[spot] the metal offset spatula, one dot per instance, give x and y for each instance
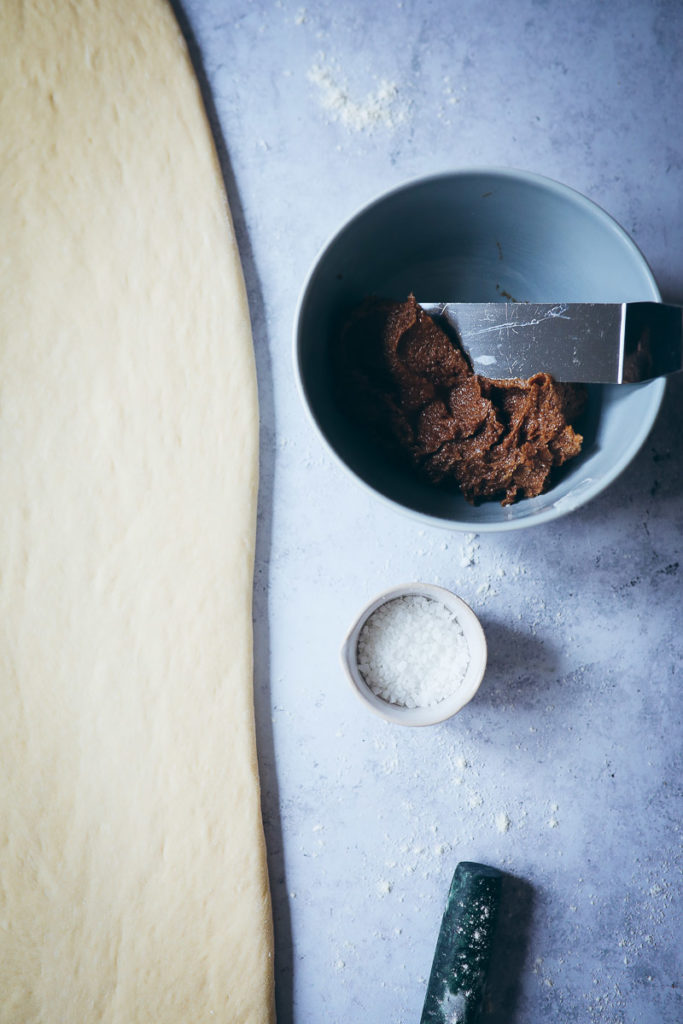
(585, 342)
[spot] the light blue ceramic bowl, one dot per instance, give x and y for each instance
(478, 236)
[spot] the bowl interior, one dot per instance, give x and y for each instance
(432, 714)
(478, 236)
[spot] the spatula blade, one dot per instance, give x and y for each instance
(623, 342)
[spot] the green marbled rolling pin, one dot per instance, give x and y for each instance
(463, 950)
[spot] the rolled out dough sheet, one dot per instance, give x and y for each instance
(133, 884)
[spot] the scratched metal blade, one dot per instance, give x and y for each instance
(580, 342)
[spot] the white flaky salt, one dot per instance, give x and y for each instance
(412, 651)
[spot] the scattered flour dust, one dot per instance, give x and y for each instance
(379, 109)
(502, 822)
(453, 1007)
(468, 555)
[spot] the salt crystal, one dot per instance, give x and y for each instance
(413, 652)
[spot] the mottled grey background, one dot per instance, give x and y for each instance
(565, 770)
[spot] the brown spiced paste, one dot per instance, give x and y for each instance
(410, 384)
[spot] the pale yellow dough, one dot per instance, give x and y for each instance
(133, 884)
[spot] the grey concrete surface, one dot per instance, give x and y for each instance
(565, 769)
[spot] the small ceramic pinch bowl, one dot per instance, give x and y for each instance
(461, 694)
(477, 236)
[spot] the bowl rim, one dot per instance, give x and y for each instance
(563, 505)
(433, 714)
